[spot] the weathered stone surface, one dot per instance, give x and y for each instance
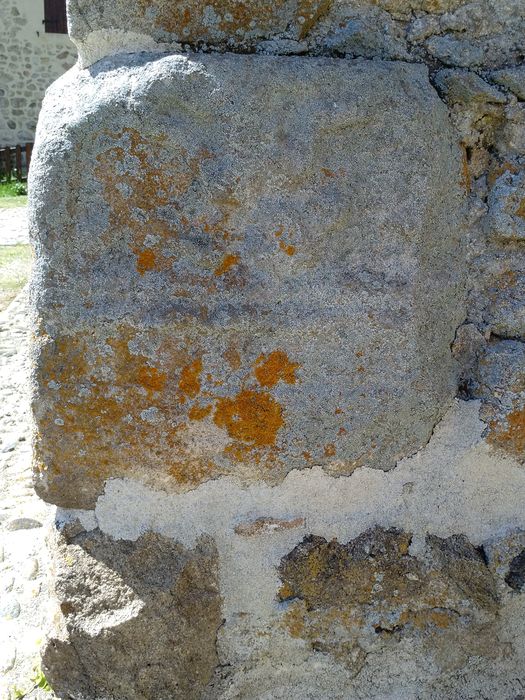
(506, 557)
(513, 79)
(248, 271)
(139, 620)
(365, 31)
(500, 382)
(338, 595)
(506, 201)
(498, 293)
(456, 484)
(229, 23)
(466, 87)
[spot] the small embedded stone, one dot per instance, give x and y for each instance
(22, 524)
(466, 87)
(9, 608)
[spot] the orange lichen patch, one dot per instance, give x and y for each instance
(307, 455)
(141, 176)
(466, 179)
(190, 379)
(253, 417)
(288, 249)
(232, 357)
(146, 261)
(328, 173)
(226, 264)
(149, 260)
(342, 431)
(267, 525)
(242, 454)
(275, 367)
(151, 379)
(512, 437)
(330, 450)
(199, 412)
(360, 368)
(191, 21)
(112, 409)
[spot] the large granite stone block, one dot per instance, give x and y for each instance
(246, 265)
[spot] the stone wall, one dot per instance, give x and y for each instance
(278, 367)
(30, 60)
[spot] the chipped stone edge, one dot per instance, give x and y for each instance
(105, 43)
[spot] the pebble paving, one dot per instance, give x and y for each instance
(13, 226)
(24, 518)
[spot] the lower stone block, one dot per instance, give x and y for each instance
(138, 619)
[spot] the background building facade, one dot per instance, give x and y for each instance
(34, 51)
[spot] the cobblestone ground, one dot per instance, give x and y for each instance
(24, 518)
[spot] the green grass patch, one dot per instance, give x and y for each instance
(15, 265)
(13, 194)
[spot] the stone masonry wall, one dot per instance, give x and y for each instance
(279, 360)
(30, 60)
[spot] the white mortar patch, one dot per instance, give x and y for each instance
(457, 484)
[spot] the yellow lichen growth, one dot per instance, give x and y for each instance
(253, 417)
(193, 471)
(294, 621)
(275, 367)
(497, 170)
(288, 249)
(329, 450)
(337, 594)
(232, 357)
(157, 177)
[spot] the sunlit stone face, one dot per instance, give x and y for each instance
(252, 265)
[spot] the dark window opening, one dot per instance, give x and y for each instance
(55, 18)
